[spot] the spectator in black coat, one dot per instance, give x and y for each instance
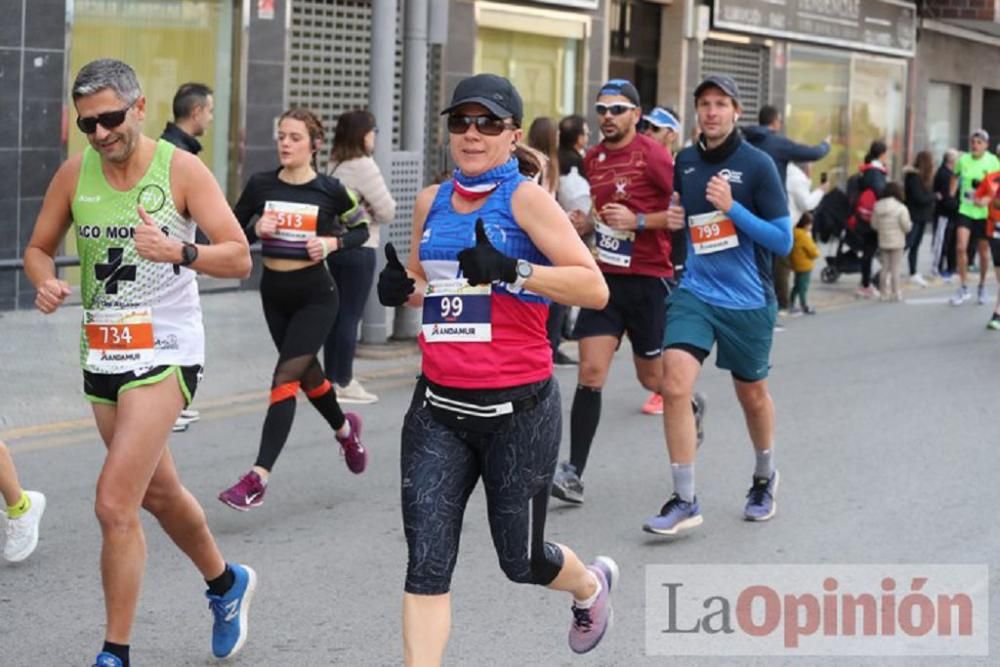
(918, 184)
(946, 208)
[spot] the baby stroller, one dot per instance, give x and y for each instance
(846, 246)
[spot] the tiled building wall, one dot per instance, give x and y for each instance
(32, 57)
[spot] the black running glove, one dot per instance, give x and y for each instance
(394, 285)
(483, 264)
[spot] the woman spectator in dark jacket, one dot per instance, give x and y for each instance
(944, 222)
(873, 177)
(918, 184)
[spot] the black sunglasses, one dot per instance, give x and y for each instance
(489, 126)
(109, 120)
(616, 109)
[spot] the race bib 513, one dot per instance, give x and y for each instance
(296, 222)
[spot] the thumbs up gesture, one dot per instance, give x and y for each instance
(675, 214)
(394, 285)
(152, 244)
(483, 264)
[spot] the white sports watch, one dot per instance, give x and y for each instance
(524, 271)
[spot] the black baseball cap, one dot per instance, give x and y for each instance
(496, 93)
(723, 83)
(621, 87)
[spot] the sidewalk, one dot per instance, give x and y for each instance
(40, 356)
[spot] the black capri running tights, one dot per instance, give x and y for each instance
(440, 468)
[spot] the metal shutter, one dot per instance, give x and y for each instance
(328, 73)
(748, 65)
(329, 59)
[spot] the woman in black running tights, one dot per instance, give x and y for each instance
(490, 250)
(302, 217)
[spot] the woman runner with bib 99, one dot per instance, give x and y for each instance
(490, 250)
(304, 216)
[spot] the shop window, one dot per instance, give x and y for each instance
(817, 98)
(167, 43)
(621, 27)
(947, 117)
(878, 109)
(852, 98)
(545, 69)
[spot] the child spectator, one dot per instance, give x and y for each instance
(891, 221)
(802, 258)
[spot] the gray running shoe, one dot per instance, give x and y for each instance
(566, 484)
(698, 404)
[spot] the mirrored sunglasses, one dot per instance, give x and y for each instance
(616, 109)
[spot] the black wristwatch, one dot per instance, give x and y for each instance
(189, 253)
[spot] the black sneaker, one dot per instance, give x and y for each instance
(563, 360)
(698, 404)
(566, 484)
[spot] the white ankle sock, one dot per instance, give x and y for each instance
(589, 602)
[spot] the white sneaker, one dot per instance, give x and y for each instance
(918, 279)
(190, 415)
(981, 295)
(22, 532)
(354, 393)
(961, 296)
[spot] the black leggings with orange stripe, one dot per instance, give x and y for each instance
(300, 307)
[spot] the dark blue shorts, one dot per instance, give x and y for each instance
(744, 336)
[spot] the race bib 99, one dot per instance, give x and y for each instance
(457, 312)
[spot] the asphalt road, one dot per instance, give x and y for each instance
(886, 441)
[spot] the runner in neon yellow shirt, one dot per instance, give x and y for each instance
(970, 170)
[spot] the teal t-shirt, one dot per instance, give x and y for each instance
(970, 171)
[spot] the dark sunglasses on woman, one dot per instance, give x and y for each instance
(616, 109)
(490, 126)
(109, 120)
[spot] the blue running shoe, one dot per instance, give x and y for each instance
(107, 660)
(760, 498)
(229, 632)
(676, 515)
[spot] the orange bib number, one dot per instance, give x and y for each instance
(296, 222)
(118, 338)
(712, 232)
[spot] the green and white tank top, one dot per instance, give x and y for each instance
(137, 313)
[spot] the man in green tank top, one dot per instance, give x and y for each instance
(132, 202)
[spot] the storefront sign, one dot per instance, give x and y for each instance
(882, 26)
(577, 4)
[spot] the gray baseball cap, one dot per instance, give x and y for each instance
(723, 83)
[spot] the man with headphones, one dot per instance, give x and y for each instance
(728, 196)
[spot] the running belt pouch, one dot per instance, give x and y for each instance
(479, 425)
